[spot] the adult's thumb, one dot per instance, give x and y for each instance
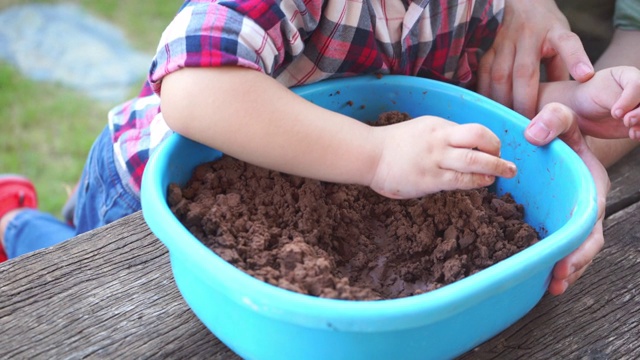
(553, 120)
(572, 52)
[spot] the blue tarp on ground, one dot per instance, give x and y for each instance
(63, 43)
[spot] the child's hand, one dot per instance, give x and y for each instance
(429, 154)
(607, 105)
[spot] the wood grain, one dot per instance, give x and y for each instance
(598, 318)
(108, 293)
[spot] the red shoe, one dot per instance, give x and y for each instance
(15, 192)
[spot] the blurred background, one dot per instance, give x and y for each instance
(48, 124)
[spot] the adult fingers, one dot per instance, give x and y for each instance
(526, 76)
(484, 72)
(555, 69)
(568, 270)
(554, 119)
(568, 131)
(569, 46)
(501, 72)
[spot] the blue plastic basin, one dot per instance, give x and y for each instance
(261, 321)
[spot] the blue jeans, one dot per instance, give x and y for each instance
(102, 199)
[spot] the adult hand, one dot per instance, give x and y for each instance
(556, 120)
(532, 32)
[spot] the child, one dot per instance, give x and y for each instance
(221, 77)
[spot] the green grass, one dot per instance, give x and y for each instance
(46, 134)
(47, 130)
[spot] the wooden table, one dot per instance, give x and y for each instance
(110, 293)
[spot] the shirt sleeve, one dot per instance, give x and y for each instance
(465, 32)
(627, 15)
(256, 34)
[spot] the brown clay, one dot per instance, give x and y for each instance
(345, 241)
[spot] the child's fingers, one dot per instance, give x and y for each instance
(454, 180)
(634, 133)
(626, 104)
(476, 150)
(632, 118)
(629, 80)
(475, 136)
(632, 121)
(478, 162)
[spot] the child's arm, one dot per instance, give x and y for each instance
(609, 151)
(606, 105)
(250, 116)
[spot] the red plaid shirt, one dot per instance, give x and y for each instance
(305, 41)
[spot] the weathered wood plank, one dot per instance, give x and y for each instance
(598, 318)
(625, 188)
(61, 302)
(109, 293)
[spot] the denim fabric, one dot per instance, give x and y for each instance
(102, 199)
(31, 230)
